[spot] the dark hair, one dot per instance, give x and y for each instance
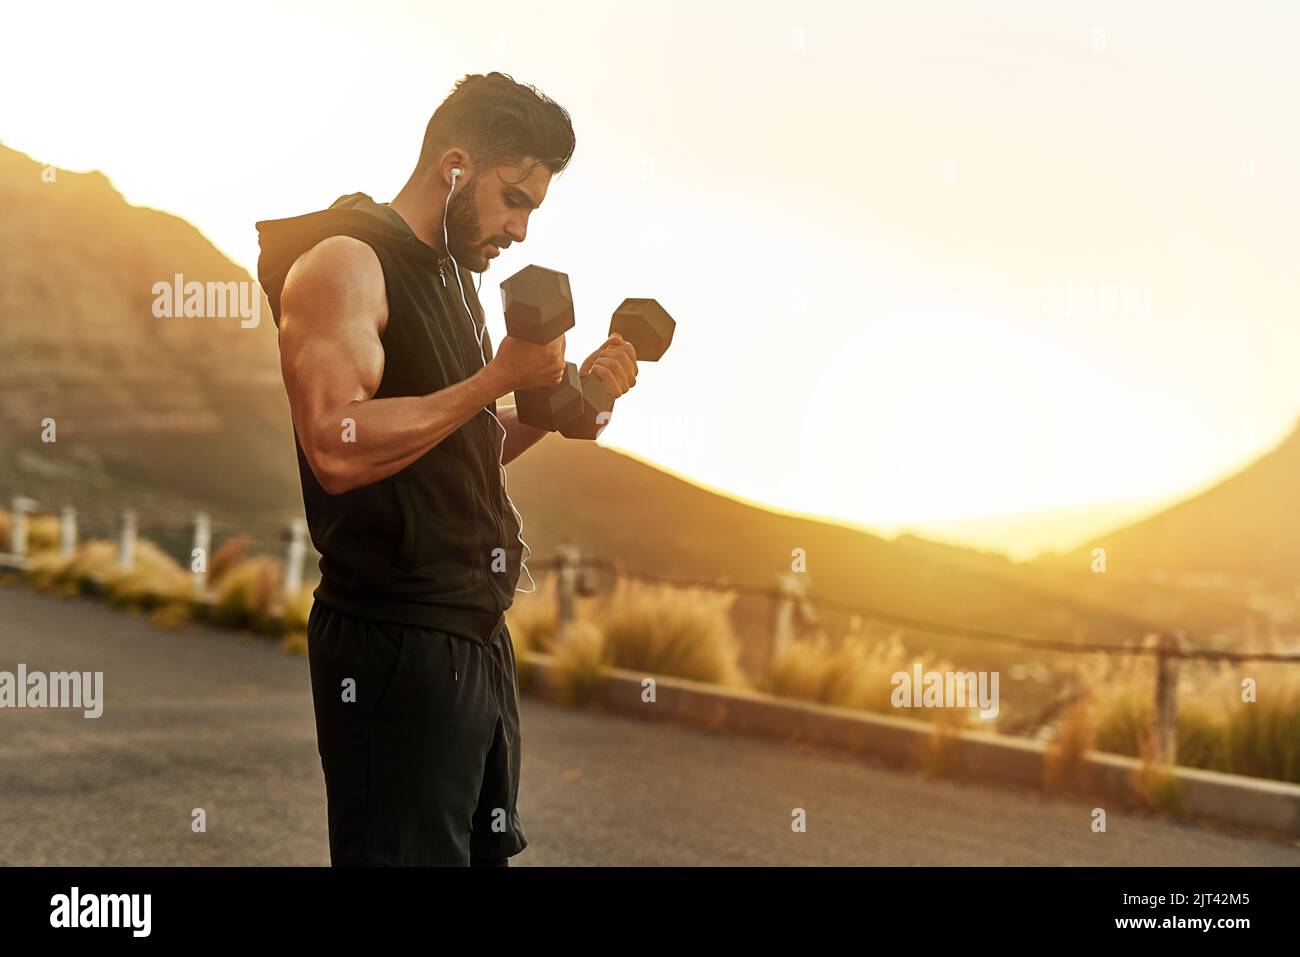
(500, 121)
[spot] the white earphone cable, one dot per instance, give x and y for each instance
(527, 551)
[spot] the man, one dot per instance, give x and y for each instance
(393, 388)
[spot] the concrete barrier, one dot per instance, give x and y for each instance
(1255, 803)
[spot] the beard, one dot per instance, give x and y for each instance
(464, 241)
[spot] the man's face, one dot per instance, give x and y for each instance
(491, 210)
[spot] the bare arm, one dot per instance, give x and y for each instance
(333, 311)
(519, 437)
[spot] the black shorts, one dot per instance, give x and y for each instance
(418, 733)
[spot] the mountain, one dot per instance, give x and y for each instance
(1025, 535)
(172, 412)
(167, 415)
(1222, 564)
(1247, 525)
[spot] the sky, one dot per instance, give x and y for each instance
(997, 272)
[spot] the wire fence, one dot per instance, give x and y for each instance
(777, 594)
(190, 540)
(1167, 649)
(180, 536)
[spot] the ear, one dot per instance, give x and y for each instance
(454, 167)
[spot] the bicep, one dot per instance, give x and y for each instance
(333, 309)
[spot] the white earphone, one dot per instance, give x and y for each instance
(523, 558)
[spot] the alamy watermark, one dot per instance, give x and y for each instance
(57, 689)
(75, 909)
(946, 689)
(211, 300)
(1089, 300)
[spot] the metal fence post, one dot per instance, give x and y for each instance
(294, 556)
(566, 581)
(68, 531)
(126, 543)
(1164, 719)
(786, 599)
(202, 546)
(790, 592)
(18, 525)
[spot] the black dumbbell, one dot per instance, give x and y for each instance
(648, 327)
(538, 307)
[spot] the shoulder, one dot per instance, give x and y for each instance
(337, 263)
(340, 274)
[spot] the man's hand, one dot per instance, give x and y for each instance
(519, 364)
(614, 364)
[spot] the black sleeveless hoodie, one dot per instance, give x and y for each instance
(436, 544)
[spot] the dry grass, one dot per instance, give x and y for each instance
(155, 582)
(580, 664)
(248, 596)
(942, 754)
(525, 669)
(531, 619)
(856, 672)
(1217, 730)
(42, 532)
(1156, 784)
(172, 615)
(51, 572)
(297, 609)
(1075, 736)
(293, 621)
(229, 554)
(247, 591)
(685, 633)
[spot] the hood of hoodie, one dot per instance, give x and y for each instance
(282, 241)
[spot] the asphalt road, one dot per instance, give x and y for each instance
(200, 718)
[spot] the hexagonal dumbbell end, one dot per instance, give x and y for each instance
(538, 305)
(547, 408)
(597, 406)
(645, 324)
